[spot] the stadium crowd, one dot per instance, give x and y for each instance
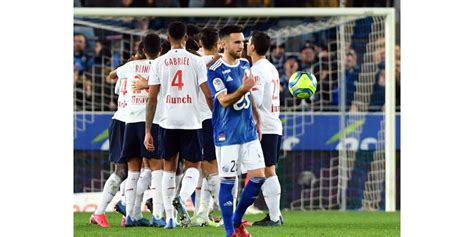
(94, 57)
(312, 57)
(230, 3)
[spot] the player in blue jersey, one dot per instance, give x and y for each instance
(237, 129)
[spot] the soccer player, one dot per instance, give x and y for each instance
(266, 95)
(237, 129)
(209, 38)
(116, 135)
(155, 203)
(176, 78)
(133, 149)
(120, 205)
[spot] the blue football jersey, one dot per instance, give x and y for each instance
(234, 124)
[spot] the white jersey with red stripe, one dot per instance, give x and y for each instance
(121, 114)
(135, 99)
(206, 113)
(179, 73)
(266, 94)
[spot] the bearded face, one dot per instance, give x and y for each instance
(234, 45)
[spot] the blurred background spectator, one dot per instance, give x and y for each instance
(307, 56)
(352, 76)
(377, 99)
(83, 63)
(277, 57)
(82, 60)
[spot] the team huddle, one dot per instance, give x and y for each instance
(214, 112)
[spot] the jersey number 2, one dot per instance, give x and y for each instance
(178, 80)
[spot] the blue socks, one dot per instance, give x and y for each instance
(249, 194)
(226, 203)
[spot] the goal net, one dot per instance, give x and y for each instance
(339, 147)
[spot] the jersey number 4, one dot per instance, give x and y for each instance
(178, 80)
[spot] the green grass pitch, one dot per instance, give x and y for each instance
(296, 223)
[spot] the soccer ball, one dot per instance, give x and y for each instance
(302, 85)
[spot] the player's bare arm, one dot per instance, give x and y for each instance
(140, 84)
(207, 92)
(227, 100)
(112, 77)
(256, 117)
(150, 114)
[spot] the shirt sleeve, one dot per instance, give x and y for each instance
(122, 71)
(154, 77)
(259, 88)
(117, 86)
(201, 71)
(215, 82)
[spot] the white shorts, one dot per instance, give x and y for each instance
(233, 160)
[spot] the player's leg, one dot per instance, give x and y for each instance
(210, 188)
(210, 157)
(197, 192)
(211, 184)
(271, 189)
(227, 157)
(202, 174)
(190, 152)
(142, 185)
(169, 153)
(157, 193)
(179, 171)
(120, 205)
(132, 152)
(111, 187)
(252, 162)
(134, 164)
(156, 165)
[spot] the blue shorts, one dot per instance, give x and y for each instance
(271, 148)
(184, 142)
(116, 135)
(206, 140)
(133, 146)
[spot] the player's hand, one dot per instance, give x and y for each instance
(149, 142)
(249, 81)
(140, 83)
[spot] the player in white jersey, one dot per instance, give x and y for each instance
(176, 78)
(266, 94)
(133, 149)
(116, 134)
(120, 205)
(209, 38)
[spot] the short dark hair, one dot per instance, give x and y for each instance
(192, 30)
(274, 46)
(141, 49)
(261, 41)
(165, 47)
(227, 30)
(151, 44)
(177, 30)
(209, 38)
(192, 45)
(80, 34)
